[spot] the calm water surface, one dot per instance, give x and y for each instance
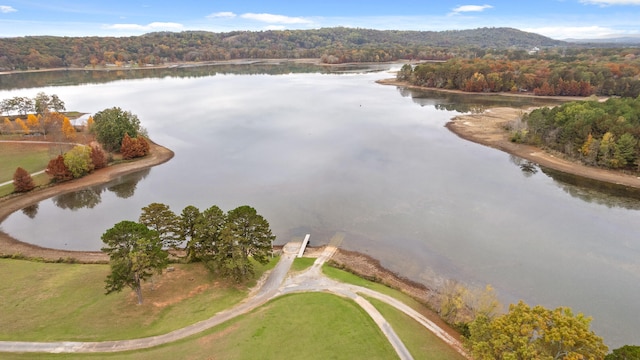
(336, 153)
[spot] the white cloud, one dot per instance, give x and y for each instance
(611, 2)
(5, 9)
(574, 32)
(275, 19)
(154, 26)
(275, 27)
(470, 8)
(222, 14)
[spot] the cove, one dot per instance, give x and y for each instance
(323, 153)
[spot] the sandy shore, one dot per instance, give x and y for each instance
(12, 247)
(488, 128)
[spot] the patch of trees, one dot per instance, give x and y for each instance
(604, 77)
(226, 243)
(597, 133)
(111, 126)
(332, 44)
(534, 333)
(627, 352)
(75, 163)
(41, 114)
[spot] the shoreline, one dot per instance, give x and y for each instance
(275, 61)
(488, 129)
(11, 247)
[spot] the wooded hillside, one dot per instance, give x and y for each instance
(587, 74)
(333, 45)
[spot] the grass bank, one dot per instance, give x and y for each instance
(53, 302)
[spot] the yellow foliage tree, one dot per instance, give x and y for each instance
(67, 129)
(7, 125)
(23, 126)
(89, 123)
(586, 147)
(33, 122)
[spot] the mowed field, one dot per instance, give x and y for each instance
(48, 302)
(31, 157)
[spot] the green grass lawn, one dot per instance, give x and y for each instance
(49, 302)
(303, 263)
(53, 302)
(298, 326)
(349, 278)
(421, 343)
(31, 157)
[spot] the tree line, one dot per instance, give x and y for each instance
(597, 133)
(116, 130)
(605, 77)
(226, 243)
(337, 44)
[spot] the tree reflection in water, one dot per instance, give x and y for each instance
(127, 187)
(89, 198)
(31, 211)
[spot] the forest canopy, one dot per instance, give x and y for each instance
(580, 77)
(331, 45)
(597, 133)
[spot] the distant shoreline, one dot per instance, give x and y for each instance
(487, 129)
(184, 64)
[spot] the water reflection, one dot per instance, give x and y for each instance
(127, 188)
(82, 77)
(468, 102)
(89, 198)
(594, 191)
(529, 168)
(31, 211)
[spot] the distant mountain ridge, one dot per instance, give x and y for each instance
(334, 45)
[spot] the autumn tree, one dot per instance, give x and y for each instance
(68, 130)
(23, 126)
(33, 122)
(57, 170)
(98, 158)
(90, 123)
(22, 181)
(7, 126)
(135, 254)
(159, 218)
(78, 160)
(534, 333)
(111, 125)
(133, 147)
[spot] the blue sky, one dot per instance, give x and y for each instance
(558, 19)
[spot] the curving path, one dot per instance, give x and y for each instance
(33, 142)
(275, 285)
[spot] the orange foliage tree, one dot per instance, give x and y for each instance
(58, 170)
(22, 181)
(98, 158)
(134, 147)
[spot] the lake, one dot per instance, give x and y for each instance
(325, 153)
